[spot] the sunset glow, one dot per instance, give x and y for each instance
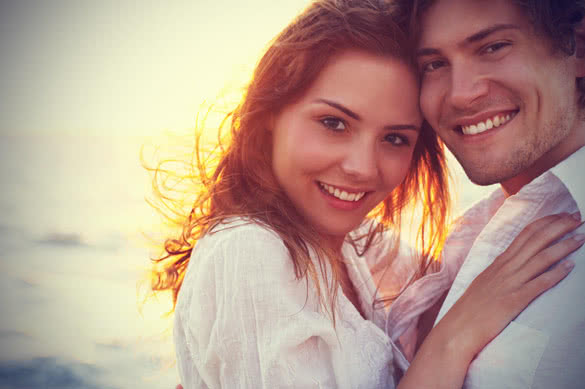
(125, 67)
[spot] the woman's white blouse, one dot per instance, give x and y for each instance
(242, 320)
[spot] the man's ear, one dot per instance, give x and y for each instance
(580, 47)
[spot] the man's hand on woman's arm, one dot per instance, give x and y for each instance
(497, 295)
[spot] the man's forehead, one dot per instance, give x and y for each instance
(458, 21)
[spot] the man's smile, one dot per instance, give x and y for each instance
(483, 125)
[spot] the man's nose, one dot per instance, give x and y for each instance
(467, 86)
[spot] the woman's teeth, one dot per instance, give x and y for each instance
(341, 194)
(480, 127)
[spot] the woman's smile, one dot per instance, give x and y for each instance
(342, 199)
(342, 194)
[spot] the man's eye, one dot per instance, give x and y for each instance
(432, 66)
(495, 47)
(333, 123)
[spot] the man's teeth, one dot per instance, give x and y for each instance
(496, 121)
(341, 194)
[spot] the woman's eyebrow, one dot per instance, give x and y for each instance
(340, 107)
(350, 113)
(402, 127)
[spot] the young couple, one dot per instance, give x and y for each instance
(289, 271)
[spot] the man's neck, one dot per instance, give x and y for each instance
(568, 146)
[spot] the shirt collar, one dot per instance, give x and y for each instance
(570, 172)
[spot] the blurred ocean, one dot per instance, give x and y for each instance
(72, 217)
(72, 249)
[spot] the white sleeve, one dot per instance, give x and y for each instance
(247, 322)
(392, 262)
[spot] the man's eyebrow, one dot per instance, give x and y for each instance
(427, 51)
(478, 36)
(340, 107)
(488, 31)
(350, 113)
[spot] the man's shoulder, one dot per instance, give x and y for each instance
(570, 173)
(479, 213)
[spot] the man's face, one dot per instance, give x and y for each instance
(500, 97)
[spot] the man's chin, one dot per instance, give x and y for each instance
(488, 170)
(484, 177)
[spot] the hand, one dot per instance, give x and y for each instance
(493, 299)
(512, 281)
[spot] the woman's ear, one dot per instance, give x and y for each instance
(269, 122)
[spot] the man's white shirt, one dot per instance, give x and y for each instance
(544, 347)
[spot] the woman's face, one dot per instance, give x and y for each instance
(342, 147)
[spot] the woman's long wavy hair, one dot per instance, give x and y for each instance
(237, 179)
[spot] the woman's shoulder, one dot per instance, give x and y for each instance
(242, 260)
(242, 245)
(240, 230)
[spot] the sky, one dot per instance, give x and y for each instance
(120, 67)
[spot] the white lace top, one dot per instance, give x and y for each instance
(242, 320)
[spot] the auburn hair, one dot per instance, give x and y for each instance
(237, 178)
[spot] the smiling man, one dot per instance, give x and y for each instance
(502, 95)
(502, 84)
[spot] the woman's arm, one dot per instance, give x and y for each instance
(493, 299)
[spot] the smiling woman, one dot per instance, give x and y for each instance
(246, 181)
(324, 153)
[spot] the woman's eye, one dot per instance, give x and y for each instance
(396, 140)
(333, 123)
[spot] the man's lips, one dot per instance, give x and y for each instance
(484, 122)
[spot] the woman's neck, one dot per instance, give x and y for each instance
(333, 243)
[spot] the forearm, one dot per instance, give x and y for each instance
(440, 363)
(494, 298)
